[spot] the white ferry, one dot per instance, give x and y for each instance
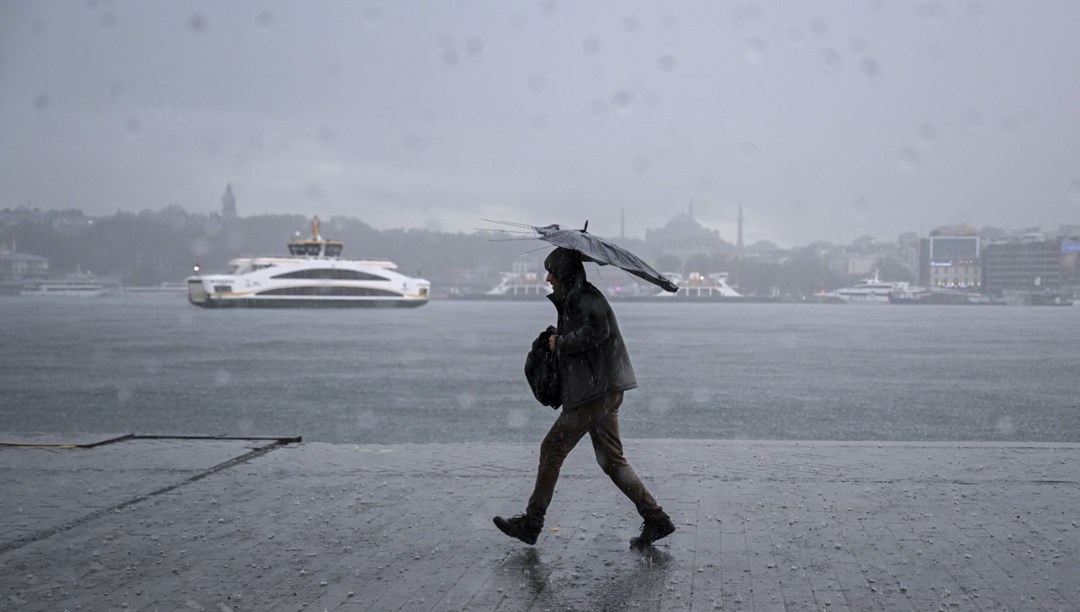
(871, 290)
(315, 276)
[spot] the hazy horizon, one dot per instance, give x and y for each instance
(824, 122)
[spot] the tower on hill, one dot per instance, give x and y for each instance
(228, 203)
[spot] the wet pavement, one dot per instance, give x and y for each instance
(131, 523)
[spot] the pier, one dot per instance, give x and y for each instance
(127, 522)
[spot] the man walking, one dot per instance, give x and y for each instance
(594, 369)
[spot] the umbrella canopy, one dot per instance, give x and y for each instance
(600, 251)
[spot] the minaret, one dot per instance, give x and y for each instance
(690, 211)
(622, 224)
(739, 243)
(228, 203)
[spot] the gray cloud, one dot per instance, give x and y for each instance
(824, 121)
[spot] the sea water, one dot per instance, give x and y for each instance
(451, 371)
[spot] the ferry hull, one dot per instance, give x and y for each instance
(218, 303)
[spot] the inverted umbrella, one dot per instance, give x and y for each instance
(597, 250)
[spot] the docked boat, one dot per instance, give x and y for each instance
(697, 286)
(871, 290)
(163, 288)
(694, 287)
(942, 296)
(76, 285)
(314, 276)
(520, 283)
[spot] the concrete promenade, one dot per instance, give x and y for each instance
(221, 525)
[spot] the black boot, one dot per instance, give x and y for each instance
(521, 527)
(653, 529)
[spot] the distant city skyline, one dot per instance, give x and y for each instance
(229, 209)
(822, 122)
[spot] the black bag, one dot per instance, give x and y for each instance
(542, 371)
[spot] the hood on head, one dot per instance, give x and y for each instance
(565, 265)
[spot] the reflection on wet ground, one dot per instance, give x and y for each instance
(634, 580)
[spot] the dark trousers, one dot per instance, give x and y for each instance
(600, 419)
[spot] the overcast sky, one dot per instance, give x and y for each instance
(824, 120)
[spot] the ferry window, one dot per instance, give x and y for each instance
(333, 250)
(331, 274)
(331, 291)
(304, 249)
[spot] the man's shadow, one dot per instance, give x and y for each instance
(617, 588)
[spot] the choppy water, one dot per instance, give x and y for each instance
(452, 371)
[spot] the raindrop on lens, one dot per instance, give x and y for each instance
(372, 18)
(749, 151)
(830, 56)
(474, 47)
(537, 83)
(755, 51)
(196, 22)
(927, 131)
(930, 11)
(795, 37)
(870, 67)
(667, 63)
(909, 158)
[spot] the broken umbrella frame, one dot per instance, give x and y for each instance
(597, 250)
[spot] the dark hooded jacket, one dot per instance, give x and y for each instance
(592, 357)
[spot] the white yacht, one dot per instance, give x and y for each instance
(871, 290)
(521, 283)
(699, 286)
(313, 276)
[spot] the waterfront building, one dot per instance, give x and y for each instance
(949, 260)
(18, 266)
(1031, 265)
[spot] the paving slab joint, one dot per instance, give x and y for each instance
(275, 443)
